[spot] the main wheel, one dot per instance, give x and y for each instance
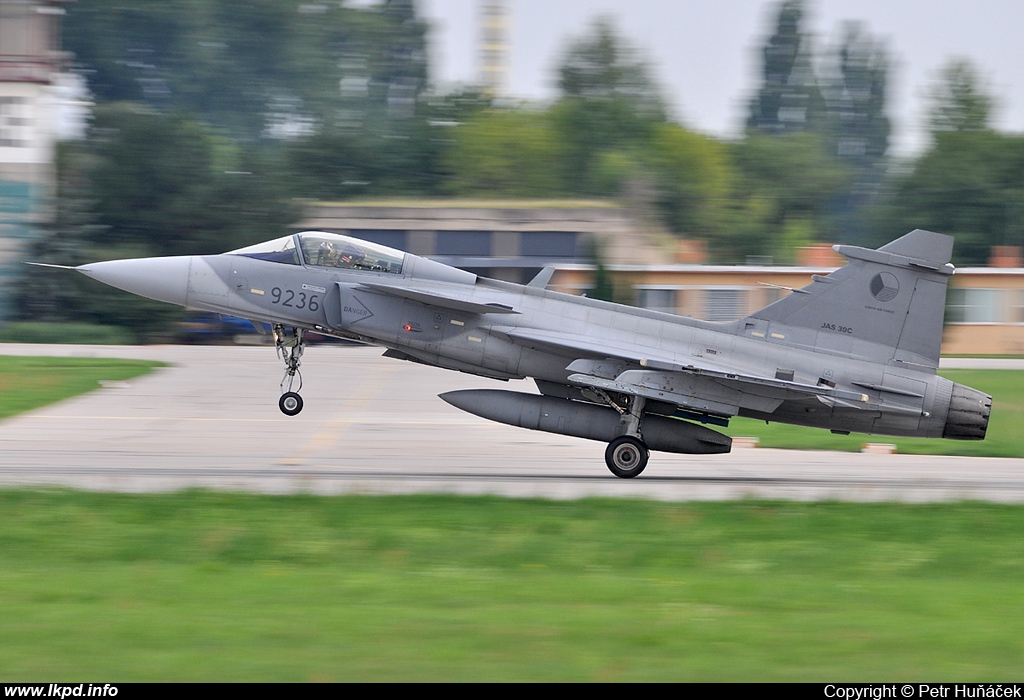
(290, 403)
(626, 456)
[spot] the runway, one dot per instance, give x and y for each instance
(373, 425)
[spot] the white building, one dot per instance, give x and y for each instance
(34, 94)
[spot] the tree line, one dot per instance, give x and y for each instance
(215, 120)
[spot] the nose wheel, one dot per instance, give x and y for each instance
(290, 403)
(290, 345)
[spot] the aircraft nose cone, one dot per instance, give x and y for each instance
(163, 279)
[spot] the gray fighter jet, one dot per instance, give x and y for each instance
(854, 351)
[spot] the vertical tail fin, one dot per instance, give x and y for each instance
(894, 297)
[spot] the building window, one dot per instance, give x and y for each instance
(14, 122)
(1018, 306)
(770, 295)
(658, 300)
(464, 243)
(385, 237)
(973, 306)
(724, 304)
(548, 244)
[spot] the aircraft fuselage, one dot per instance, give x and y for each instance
(490, 346)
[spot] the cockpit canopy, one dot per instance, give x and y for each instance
(279, 250)
(319, 249)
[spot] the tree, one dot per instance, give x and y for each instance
(694, 180)
(505, 153)
(602, 67)
(69, 238)
(789, 99)
(146, 184)
(150, 178)
(258, 68)
(788, 182)
(856, 126)
(959, 101)
(970, 184)
(855, 93)
(608, 102)
(169, 184)
(402, 70)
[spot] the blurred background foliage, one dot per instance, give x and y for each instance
(215, 120)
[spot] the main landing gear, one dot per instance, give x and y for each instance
(627, 454)
(289, 348)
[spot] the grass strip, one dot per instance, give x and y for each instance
(27, 383)
(200, 586)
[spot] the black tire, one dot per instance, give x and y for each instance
(290, 403)
(626, 456)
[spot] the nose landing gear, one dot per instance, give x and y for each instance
(290, 403)
(289, 345)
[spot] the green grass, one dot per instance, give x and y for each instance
(65, 333)
(30, 382)
(203, 586)
(1004, 439)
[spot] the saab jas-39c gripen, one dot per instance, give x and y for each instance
(854, 351)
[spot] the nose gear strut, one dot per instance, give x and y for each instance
(289, 345)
